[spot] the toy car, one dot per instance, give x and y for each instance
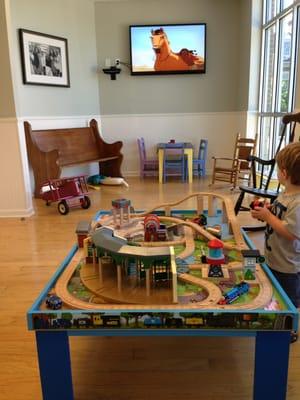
(54, 302)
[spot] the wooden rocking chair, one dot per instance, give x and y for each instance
(232, 169)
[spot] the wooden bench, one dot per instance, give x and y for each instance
(51, 149)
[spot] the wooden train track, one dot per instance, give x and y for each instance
(214, 293)
(228, 208)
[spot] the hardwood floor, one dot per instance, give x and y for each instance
(112, 368)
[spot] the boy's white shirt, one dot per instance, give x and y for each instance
(283, 255)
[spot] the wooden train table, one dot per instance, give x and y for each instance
(167, 271)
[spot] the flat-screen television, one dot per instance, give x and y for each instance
(168, 49)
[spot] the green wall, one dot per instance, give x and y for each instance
(223, 88)
(7, 107)
(71, 19)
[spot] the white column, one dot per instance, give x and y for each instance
(15, 199)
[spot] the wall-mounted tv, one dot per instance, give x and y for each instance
(168, 49)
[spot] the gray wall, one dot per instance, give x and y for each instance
(71, 19)
(7, 107)
(244, 54)
(223, 88)
(254, 61)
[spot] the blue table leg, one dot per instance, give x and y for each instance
(271, 365)
(55, 365)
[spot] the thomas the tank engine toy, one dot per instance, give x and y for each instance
(234, 293)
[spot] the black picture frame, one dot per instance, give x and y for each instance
(45, 59)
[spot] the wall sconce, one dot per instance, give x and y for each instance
(112, 70)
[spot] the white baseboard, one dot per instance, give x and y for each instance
(134, 174)
(16, 213)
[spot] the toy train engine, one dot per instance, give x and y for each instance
(97, 320)
(62, 323)
(54, 302)
(174, 322)
(152, 322)
(216, 320)
(82, 322)
(200, 220)
(257, 203)
(234, 293)
(111, 321)
(194, 321)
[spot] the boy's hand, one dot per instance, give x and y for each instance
(261, 213)
(259, 203)
(268, 204)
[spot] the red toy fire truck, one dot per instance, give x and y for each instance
(69, 192)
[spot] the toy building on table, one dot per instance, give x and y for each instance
(164, 268)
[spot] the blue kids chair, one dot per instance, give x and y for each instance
(199, 164)
(174, 162)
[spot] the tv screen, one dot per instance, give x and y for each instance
(168, 49)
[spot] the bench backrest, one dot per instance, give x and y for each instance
(75, 145)
(51, 149)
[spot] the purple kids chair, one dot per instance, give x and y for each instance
(148, 167)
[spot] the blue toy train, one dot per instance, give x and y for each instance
(235, 293)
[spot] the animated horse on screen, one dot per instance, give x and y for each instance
(167, 60)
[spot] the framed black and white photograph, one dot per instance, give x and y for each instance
(44, 59)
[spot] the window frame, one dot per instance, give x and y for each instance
(274, 114)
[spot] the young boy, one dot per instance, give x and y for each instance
(282, 246)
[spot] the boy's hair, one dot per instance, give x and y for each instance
(289, 159)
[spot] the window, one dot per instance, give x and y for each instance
(279, 54)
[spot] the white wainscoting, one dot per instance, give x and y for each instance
(219, 128)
